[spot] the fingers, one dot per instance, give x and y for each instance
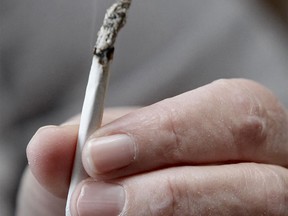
(228, 120)
(51, 151)
(33, 199)
(50, 156)
(240, 189)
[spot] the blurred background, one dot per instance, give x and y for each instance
(168, 47)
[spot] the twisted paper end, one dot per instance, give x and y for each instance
(114, 20)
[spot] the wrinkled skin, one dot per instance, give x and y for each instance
(221, 149)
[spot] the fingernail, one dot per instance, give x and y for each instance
(109, 153)
(99, 198)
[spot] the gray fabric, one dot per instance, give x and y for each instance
(168, 47)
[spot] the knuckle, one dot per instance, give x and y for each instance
(177, 197)
(172, 149)
(249, 134)
(249, 125)
(258, 122)
(167, 199)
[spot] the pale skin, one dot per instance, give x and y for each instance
(221, 149)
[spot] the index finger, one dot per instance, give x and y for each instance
(227, 120)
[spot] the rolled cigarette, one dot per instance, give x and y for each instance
(92, 111)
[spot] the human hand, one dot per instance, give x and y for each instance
(221, 149)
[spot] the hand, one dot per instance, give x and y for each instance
(221, 149)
